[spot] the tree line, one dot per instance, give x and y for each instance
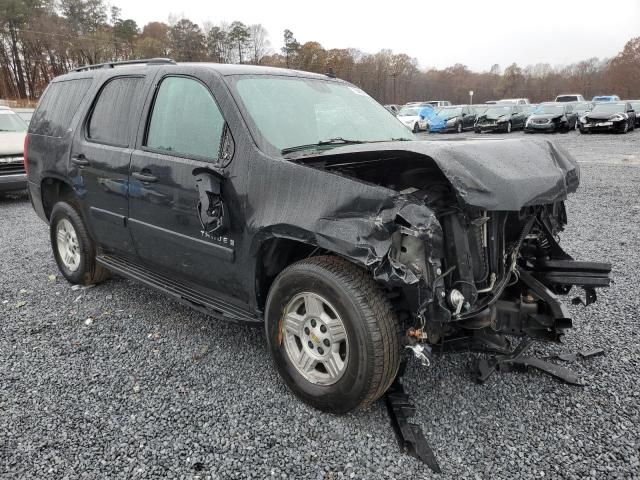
(41, 39)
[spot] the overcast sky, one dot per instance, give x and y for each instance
(438, 34)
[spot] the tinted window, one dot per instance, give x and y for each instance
(58, 106)
(185, 119)
(113, 114)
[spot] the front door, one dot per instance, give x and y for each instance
(181, 199)
(99, 163)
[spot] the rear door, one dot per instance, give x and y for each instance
(100, 155)
(181, 154)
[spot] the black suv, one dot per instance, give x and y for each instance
(265, 195)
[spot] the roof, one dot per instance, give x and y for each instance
(223, 69)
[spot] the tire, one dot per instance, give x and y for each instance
(65, 221)
(626, 128)
(459, 127)
(509, 127)
(371, 356)
(416, 128)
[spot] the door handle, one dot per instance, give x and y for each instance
(80, 160)
(144, 177)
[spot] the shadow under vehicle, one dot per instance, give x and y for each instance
(296, 202)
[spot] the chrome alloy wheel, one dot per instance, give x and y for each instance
(67, 244)
(315, 339)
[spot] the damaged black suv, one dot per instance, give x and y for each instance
(265, 195)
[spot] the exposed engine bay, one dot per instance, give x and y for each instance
(476, 272)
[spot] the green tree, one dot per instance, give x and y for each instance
(239, 37)
(187, 41)
(291, 48)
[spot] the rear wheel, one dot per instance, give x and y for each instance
(73, 248)
(332, 334)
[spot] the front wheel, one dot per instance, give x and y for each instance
(416, 128)
(459, 128)
(509, 127)
(73, 248)
(332, 334)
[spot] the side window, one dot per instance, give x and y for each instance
(185, 119)
(57, 107)
(112, 118)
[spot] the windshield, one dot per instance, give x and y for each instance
(479, 110)
(294, 111)
(11, 122)
(608, 108)
(566, 98)
(549, 110)
(498, 111)
(409, 112)
(449, 112)
(582, 106)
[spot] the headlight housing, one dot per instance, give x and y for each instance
(583, 119)
(502, 119)
(452, 121)
(618, 116)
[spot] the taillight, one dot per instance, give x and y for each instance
(24, 153)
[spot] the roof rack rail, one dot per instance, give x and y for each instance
(147, 61)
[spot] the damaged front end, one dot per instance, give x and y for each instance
(473, 247)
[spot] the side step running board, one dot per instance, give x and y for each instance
(199, 301)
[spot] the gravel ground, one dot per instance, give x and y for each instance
(117, 381)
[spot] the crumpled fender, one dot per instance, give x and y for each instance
(356, 220)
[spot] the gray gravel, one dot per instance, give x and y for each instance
(117, 381)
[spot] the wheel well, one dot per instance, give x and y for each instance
(275, 255)
(52, 190)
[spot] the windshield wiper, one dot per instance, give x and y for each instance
(322, 143)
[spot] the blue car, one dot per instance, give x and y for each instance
(457, 118)
(606, 98)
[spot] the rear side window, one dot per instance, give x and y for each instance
(58, 106)
(185, 119)
(112, 117)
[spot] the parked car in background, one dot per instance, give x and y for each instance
(491, 102)
(452, 119)
(13, 176)
(606, 98)
(500, 118)
(439, 103)
(582, 108)
(413, 117)
(570, 97)
(552, 117)
(609, 117)
(513, 101)
(636, 108)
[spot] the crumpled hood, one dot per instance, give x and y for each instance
(11, 143)
(493, 117)
(495, 174)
